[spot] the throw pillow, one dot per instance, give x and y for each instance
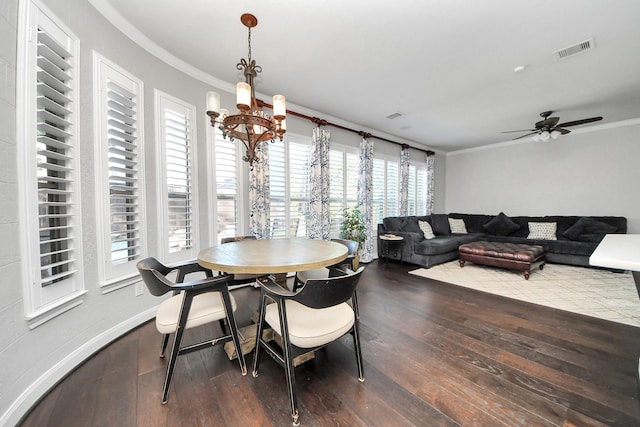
(457, 226)
(542, 230)
(440, 225)
(588, 226)
(426, 229)
(501, 225)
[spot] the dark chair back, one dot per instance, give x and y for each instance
(322, 293)
(236, 239)
(153, 274)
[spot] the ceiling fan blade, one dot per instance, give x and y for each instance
(563, 131)
(524, 136)
(579, 122)
(523, 130)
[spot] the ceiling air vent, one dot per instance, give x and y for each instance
(575, 49)
(394, 116)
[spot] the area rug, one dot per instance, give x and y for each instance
(592, 292)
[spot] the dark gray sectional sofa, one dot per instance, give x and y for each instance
(577, 237)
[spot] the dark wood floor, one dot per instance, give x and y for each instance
(435, 355)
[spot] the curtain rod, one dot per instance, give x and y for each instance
(322, 122)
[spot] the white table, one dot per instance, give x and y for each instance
(621, 251)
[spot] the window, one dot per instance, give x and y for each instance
(49, 196)
(289, 186)
(177, 178)
(227, 184)
(417, 190)
(343, 183)
(119, 174)
(385, 189)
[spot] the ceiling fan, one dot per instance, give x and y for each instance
(548, 127)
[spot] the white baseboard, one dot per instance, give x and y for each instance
(50, 378)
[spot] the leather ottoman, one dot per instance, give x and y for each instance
(506, 255)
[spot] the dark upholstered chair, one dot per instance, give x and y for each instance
(193, 304)
(322, 311)
(322, 273)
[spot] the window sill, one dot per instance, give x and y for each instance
(47, 313)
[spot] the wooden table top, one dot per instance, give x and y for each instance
(272, 255)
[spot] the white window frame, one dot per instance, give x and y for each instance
(42, 303)
(164, 102)
(112, 275)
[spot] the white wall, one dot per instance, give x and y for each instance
(582, 173)
(34, 360)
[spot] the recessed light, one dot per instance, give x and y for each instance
(519, 69)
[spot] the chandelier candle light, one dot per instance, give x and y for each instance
(250, 124)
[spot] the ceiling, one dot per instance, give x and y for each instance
(447, 66)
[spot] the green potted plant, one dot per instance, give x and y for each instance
(353, 228)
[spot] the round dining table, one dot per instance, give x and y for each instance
(270, 256)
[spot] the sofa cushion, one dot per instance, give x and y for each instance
(589, 229)
(440, 224)
(542, 230)
(427, 231)
(457, 226)
(501, 225)
(443, 244)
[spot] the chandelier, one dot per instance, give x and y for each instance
(250, 125)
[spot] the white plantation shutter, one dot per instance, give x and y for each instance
(277, 190)
(421, 191)
(343, 177)
(411, 206)
(336, 189)
(289, 169)
(56, 161)
(124, 184)
(393, 188)
(49, 180)
(179, 225)
(179, 186)
(379, 191)
(299, 187)
(226, 175)
(122, 234)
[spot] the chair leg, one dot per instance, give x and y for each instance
(288, 363)
(163, 346)
(358, 349)
(231, 320)
(256, 355)
(175, 351)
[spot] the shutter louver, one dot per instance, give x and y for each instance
(55, 161)
(124, 185)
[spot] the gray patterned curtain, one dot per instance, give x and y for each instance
(365, 196)
(431, 180)
(319, 218)
(404, 181)
(259, 196)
